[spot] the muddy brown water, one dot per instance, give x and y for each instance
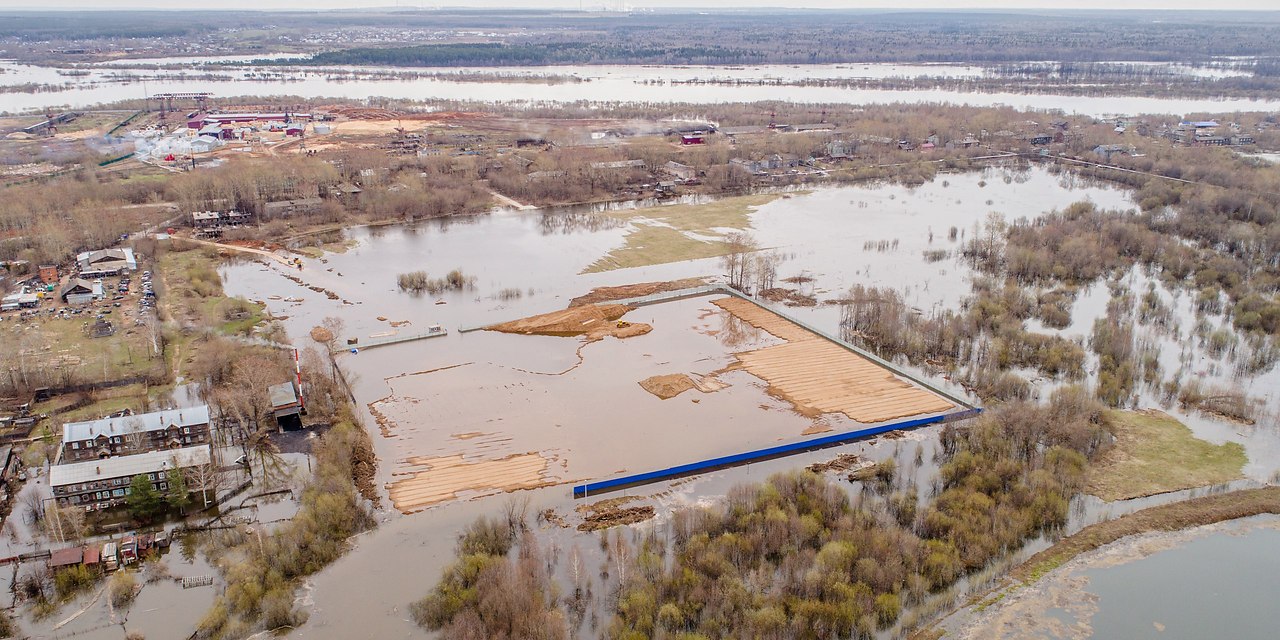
(594, 419)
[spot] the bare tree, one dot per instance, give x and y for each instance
(206, 479)
(736, 262)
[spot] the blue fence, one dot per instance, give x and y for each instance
(583, 490)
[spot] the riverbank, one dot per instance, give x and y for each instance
(1120, 578)
(1171, 517)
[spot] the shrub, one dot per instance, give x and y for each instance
(122, 588)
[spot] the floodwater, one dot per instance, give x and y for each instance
(1219, 586)
(626, 84)
(1215, 581)
(597, 408)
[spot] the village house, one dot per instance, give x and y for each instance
(106, 262)
(839, 150)
(286, 208)
(81, 291)
(618, 164)
(204, 219)
(101, 484)
(679, 171)
(126, 435)
(48, 274)
(753, 167)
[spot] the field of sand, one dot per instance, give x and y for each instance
(819, 376)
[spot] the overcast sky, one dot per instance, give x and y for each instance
(823, 4)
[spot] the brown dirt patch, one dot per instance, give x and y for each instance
(609, 294)
(816, 428)
(444, 478)
(668, 386)
(593, 321)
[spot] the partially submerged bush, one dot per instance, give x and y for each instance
(420, 282)
(122, 588)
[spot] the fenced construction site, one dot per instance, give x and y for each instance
(613, 390)
(818, 374)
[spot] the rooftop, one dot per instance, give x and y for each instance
(282, 395)
(131, 424)
(126, 466)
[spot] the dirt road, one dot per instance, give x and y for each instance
(231, 247)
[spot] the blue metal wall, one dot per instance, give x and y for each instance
(583, 490)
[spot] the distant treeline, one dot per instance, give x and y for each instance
(533, 54)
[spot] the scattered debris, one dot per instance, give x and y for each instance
(842, 462)
(610, 513)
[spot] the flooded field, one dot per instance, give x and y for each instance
(538, 412)
(97, 84)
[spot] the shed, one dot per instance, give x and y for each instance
(92, 555)
(286, 405)
(81, 291)
(69, 557)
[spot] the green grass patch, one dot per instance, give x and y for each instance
(650, 245)
(677, 233)
(1154, 453)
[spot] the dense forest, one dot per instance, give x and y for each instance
(680, 36)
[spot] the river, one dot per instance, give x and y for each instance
(1215, 581)
(99, 84)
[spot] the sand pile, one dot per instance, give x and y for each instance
(673, 384)
(668, 386)
(593, 321)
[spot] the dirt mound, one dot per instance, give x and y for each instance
(321, 334)
(607, 294)
(593, 321)
(668, 386)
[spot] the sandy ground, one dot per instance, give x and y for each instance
(819, 376)
(593, 321)
(446, 478)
